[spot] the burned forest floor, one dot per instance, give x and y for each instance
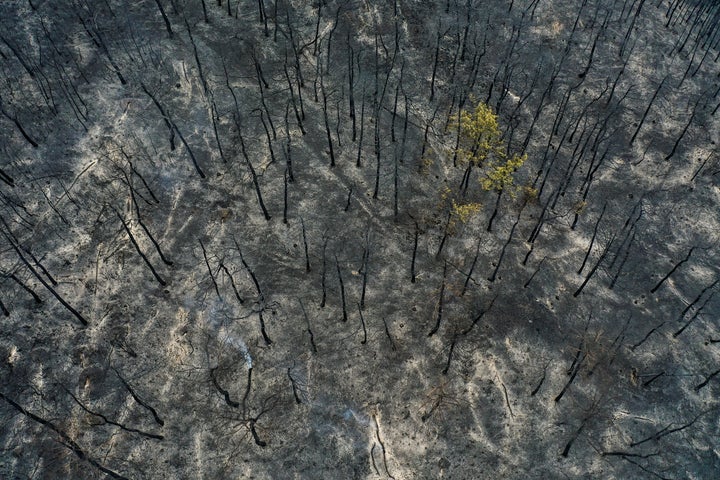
(230, 247)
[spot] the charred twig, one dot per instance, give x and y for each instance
(232, 282)
(294, 387)
(66, 440)
(207, 263)
(382, 446)
(342, 290)
(137, 248)
(707, 380)
(307, 322)
(362, 322)
(111, 422)
(667, 430)
(305, 245)
(157, 418)
(225, 393)
(440, 304)
(662, 280)
(540, 383)
(35, 296)
(450, 353)
(387, 333)
(570, 380)
(65, 304)
(633, 347)
(507, 398)
(615, 453)
(479, 316)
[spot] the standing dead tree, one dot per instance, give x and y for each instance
(677, 265)
(174, 128)
(65, 438)
(254, 178)
(16, 247)
(441, 300)
(138, 249)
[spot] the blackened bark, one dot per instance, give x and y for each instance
(138, 249)
(207, 263)
(165, 18)
(254, 179)
(342, 290)
(66, 440)
(441, 300)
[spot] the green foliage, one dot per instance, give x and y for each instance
(479, 136)
(425, 165)
(498, 175)
(580, 207)
(530, 193)
(457, 211)
(464, 211)
(480, 150)
(480, 146)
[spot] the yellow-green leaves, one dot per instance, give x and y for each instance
(480, 146)
(459, 211)
(464, 211)
(479, 136)
(480, 151)
(498, 175)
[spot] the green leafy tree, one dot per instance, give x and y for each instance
(480, 146)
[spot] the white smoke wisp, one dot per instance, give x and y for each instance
(212, 319)
(240, 345)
